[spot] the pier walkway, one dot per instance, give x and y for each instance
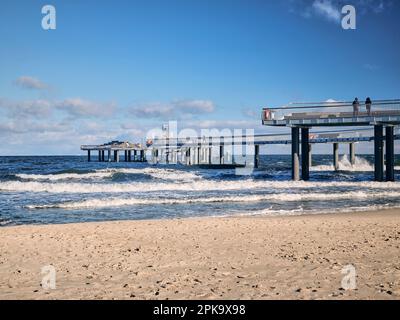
(113, 148)
(385, 114)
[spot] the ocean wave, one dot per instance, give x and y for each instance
(163, 174)
(280, 197)
(201, 185)
(361, 165)
(301, 211)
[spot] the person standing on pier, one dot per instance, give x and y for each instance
(356, 107)
(368, 104)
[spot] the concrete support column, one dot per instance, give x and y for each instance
(389, 153)
(108, 155)
(88, 155)
(378, 152)
(167, 151)
(256, 155)
(126, 155)
(221, 151)
(188, 157)
(199, 149)
(336, 156)
(295, 154)
(305, 150)
(116, 155)
(210, 151)
(310, 155)
(129, 155)
(142, 156)
(352, 152)
(99, 156)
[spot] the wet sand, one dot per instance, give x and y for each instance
(296, 257)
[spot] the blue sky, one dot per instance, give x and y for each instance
(115, 69)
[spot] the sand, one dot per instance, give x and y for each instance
(296, 257)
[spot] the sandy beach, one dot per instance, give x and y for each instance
(295, 257)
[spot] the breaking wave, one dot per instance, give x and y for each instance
(117, 202)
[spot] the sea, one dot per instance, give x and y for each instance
(68, 189)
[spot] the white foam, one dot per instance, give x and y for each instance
(361, 165)
(117, 202)
(164, 174)
(64, 176)
(185, 185)
(302, 211)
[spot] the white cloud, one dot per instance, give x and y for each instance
(78, 107)
(28, 108)
(177, 109)
(327, 9)
(330, 10)
(28, 82)
(194, 106)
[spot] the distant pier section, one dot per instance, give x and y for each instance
(381, 115)
(133, 152)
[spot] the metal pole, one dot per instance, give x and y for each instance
(352, 151)
(295, 154)
(389, 154)
(378, 148)
(336, 156)
(256, 155)
(305, 145)
(88, 155)
(210, 151)
(221, 151)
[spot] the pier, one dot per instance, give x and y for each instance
(132, 152)
(238, 151)
(385, 116)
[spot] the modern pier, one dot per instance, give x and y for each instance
(380, 125)
(114, 148)
(383, 118)
(235, 151)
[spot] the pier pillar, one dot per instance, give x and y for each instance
(256, 155)
(155, 155)
(142, 156)
(126, 155)
(116, 156)
(310, 155)
(88, 155)
(166, 151)
(210, 150)
(295, 154)
(378, 152)
(221, 151)
(199, 149)
(352, 152)
(336, 156)
(135, 154)
(129, 155)
(305, 150)
(99, 157)
(108, 155)
(188, 162)
(389, 153)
